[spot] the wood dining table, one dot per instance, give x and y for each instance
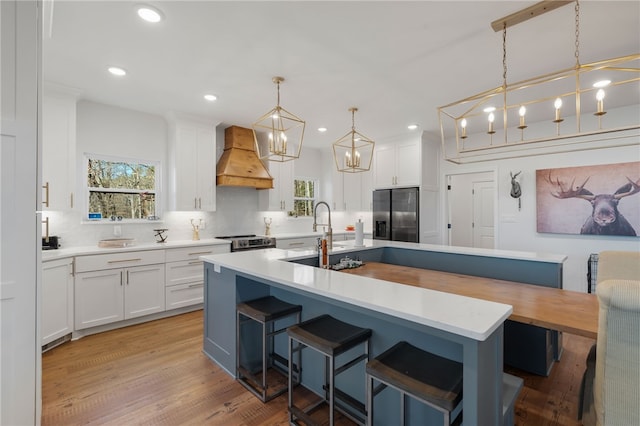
(552, 308)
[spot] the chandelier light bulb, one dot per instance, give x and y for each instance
(491, 119)
(600, 102)
(463, 125)
(558, 104)
(522, 111)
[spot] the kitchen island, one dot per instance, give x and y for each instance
(465, 329)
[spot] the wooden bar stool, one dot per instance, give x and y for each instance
(266, 311)
(427, 377)
(330, 337)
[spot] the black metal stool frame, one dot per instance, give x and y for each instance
(269, 355)
(333, 396)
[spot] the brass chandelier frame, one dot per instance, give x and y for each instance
(278, 134)
(353, 152)
(510, 139)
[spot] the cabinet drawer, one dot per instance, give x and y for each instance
(188, 271)
(193, 253)
(181, 295)
(293, 243)
(118, 260)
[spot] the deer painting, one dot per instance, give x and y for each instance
(605, 218)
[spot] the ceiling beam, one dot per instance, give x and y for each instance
(528, 13)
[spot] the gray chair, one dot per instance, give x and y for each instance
(610, 393)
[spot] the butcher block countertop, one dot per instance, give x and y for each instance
(552, 308)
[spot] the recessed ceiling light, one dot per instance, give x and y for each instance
(210, 98)
(322, 129)
(149, 14)
(489, 109)
(117, 71)
(412, 126)
(602, 83)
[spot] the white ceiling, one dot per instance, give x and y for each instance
(396, 61)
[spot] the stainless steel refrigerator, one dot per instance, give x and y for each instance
(396, 214)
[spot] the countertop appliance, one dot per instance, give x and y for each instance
(396, 214)
(249, 242)
(50, 243)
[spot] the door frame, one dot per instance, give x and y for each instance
(447, 201)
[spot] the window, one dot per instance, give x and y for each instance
(304, 196)
(122, 189)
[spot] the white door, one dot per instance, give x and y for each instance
(462, 209)
(20, 252)
(483, 235)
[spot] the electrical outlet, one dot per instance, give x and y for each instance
(117, 231)
(203, 225)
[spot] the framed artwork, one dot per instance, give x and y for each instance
(589, 200)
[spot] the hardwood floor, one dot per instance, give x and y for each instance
(156, 374)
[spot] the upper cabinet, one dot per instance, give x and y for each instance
(58, 148)
(192, 157)
(397, 164)
(280, 198)
(351, 191)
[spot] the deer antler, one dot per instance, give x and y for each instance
(630, 188)
(564, 192)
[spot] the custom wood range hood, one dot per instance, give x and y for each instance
(239, 164)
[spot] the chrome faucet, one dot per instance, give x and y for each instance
(328, 225)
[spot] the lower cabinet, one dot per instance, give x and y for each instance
(57, 300)
(185, 275)
(298, 242)
(103, 296)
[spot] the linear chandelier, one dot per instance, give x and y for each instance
(278, 134)
(544, 112)
(353, 152)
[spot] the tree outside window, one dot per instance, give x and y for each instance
(121, 189)
(304, 196)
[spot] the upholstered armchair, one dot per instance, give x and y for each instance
(611, 384)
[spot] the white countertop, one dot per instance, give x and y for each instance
(87, 250)
(473, 318)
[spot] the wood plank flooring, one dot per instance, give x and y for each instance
(156, 374)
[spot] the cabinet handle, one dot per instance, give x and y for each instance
(46, 230)
(296, 244)
(196, 285)
(127, 277)
(73, 267)
(125, 260)
(121, 277)
(71, 199)
(46, 194)
(199, 253)
(195, 202)
(200, 203)
(196, 262)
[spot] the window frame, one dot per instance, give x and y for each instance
(314, 199)
(86, 189)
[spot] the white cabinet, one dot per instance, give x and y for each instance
(118, 286)
(192, 152)
(296, 242)
(58, 149)
(397, 164)
(280, 198)
(184, 274)
(57, 300)
(351, 191)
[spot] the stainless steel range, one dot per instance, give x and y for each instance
(249, 242)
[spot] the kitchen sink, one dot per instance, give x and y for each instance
(116, 242)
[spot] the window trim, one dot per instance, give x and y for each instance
(316, 187)
(86, 190)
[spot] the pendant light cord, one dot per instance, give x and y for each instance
(577, 53)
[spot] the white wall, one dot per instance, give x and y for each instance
(516, 229)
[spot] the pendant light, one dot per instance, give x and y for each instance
(353, 152)
(278, 134)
